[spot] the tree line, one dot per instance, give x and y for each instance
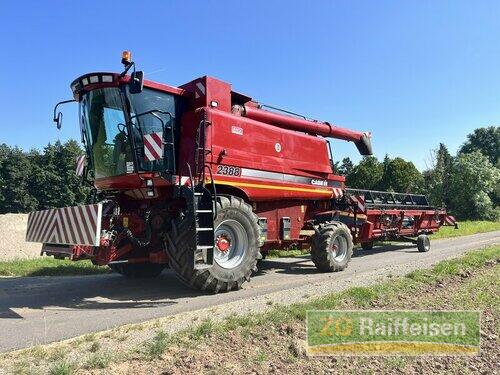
(467, 184)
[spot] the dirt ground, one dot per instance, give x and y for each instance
(12, 233)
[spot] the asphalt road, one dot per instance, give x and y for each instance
(38, 310)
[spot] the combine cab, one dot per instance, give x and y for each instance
(205, 180)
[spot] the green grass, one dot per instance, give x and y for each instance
(47, 266)
(157, 346)
(466, 228)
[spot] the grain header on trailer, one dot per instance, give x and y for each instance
(205, 180)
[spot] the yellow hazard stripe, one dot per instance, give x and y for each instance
(273, 187)
(412, 348)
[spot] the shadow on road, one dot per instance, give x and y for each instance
(110, 291)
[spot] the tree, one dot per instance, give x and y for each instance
(437, 179)
(472, 181)
(366, 175)
(401, 176)
(53, 181)
(346, 167)
(15, 170)
(485, 140)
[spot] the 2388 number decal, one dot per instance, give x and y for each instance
(229, 171)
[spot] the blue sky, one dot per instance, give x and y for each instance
(414, 73)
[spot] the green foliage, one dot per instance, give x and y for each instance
(346, 167)
(35, 181)
(437, 179)
(486, 141)
(401, 176)
(472, 180)
(367, 174)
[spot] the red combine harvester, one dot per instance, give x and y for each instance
(206, 180)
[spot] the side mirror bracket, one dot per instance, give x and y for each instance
(58, 116)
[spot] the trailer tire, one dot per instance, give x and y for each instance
(218, 278)
(423, 243)
(328, 236)
(367, 245)
(137, 270)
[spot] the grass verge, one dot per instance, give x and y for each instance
(272, 341)
(48, 266)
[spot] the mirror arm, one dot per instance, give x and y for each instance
(127, 68)
(58, 104)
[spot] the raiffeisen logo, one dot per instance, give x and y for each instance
(393, 332)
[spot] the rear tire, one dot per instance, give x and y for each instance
(137, 270)
(235, 221)
(331, 248)
(367, 245)
(423, 243)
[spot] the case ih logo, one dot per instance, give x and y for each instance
(153, 146)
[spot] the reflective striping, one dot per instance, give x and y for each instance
(337, 193)
(273, 187)
(359, 201)
(450, 220)
(153, 146)
(80, 225)
(80, 165)
(283, 177)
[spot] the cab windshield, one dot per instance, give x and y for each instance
(107, 136)
(103, 125)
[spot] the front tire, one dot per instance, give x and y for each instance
(235, 254)
(331, 248)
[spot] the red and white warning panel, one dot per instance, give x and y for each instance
(79, 225)
(153, 146)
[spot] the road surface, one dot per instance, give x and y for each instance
(38, 310)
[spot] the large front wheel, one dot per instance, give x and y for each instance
(236, 249)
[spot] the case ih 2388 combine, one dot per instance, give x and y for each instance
(206, 180)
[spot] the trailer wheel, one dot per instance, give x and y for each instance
(137, 270)
(423, 243)
(331, 248)
(367, 245)
(236, 248)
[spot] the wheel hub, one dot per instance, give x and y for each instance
(223, 243)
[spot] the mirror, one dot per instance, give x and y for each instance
(136, 82)
(58, 120)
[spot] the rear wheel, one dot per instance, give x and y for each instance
(423, 243)
(331, 248)
(236, 248)
(137, 270)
